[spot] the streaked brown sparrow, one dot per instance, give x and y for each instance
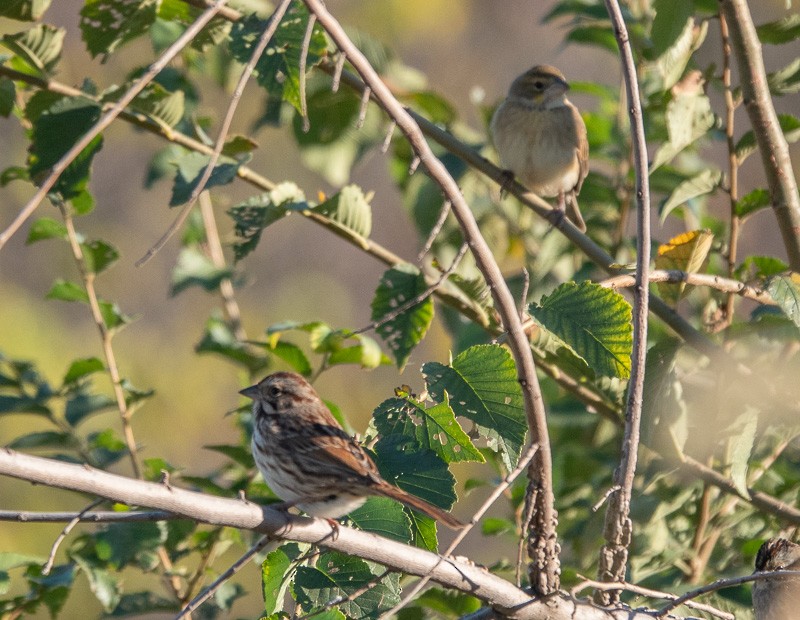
(307, 458)
(541, 137)
(777, 598)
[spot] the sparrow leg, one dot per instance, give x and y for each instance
(506, 182)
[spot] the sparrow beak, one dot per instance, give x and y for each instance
(250, 392)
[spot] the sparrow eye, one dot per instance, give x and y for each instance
(538, 85)
(274, 391)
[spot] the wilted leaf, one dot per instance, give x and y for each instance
(687, 252)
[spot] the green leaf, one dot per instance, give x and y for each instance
(338, 575)
(9, 560)
(664, 413)
(46, 228)
(8, 98)
(699, 185)
(350, 209)
(367, 353)
(278, 68)
(121, 544)
(689, 116)
(140, 604)
(195, 269)
(39, 48)
(447, 603)
(670, 65)
(746, 146)
(742, 435)
(43, 439)
(785, 81)
(482, 386)
(24, 10)
(785, 290)
(760, 267)
(669, 23)
(82, 368)
(384, 517)
(495, 526)
(81, 405)
(103, 584)
(418, 471)
(432, 106)
(160, 104)
(780, 31)
(109, 24)
(98, 256)
(294, 356)
(190, 167)
(686, 252)
(435, 428)
(752, 202)
(57, 130)
(218, 338)
(67, 291)
(598, 36)
(423, 531)
(275, 576)
(595, 321)
(254, 214)
(402, 333)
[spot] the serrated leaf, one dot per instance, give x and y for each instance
(39, 47)
(55, 132)
(785, 290)
(752, 202)
(402, 333)
(746, 146)
(195, 269)
(98, 256)
(435, 428)
(595, 321)
(699, 185)
(190, 168)
(785, 81)
(108, 24)
(686, 252)
(664, 413)
(274, 573)
(46, 228)
(780, 31)
(253, 215)
(338, 575)
(350, 209)
(160, 104)
(384, 517)
(688, 117)
(423, 531)
(82, 368)
(278, 69)
(418, 471)
(483, 387)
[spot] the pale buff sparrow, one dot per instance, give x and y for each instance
(777, 598)
(541, 137)
(307, 458)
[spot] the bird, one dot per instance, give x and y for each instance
(777, 598)
(540, 138)
(307, 458)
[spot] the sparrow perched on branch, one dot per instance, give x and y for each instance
(541, 137)
(777, 598)
(307, 458)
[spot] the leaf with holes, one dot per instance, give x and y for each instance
(595, 321)
(482, 385)
(401, 333)
(108, 24)
(687, 252)
(434, 427)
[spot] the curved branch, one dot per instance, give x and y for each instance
(464, 576)
(545, 566)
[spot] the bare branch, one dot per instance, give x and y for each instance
(437, 228)
(48, 566)
(108, 118)
(618, 524)
(98, 516)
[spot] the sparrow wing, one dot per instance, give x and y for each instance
(582, 148)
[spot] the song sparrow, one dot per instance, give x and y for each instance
(309, 461)
(541, 137)
(777, 598)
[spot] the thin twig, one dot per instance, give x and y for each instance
(524, 460)
(147, 77)
(437, 228)
(624, 585)
(618, 524)
(337, 72)
(419, 298)
(235, 568)
(312, 19)
(217, 257)
(98, 516)
(387, 141)
(48, 566)
(362, 108)
(721, 584)
(236, 97)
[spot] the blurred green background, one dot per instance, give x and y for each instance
(469, 50)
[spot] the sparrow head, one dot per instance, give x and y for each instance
(279, 393)
(777, 554)
(541, 84)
